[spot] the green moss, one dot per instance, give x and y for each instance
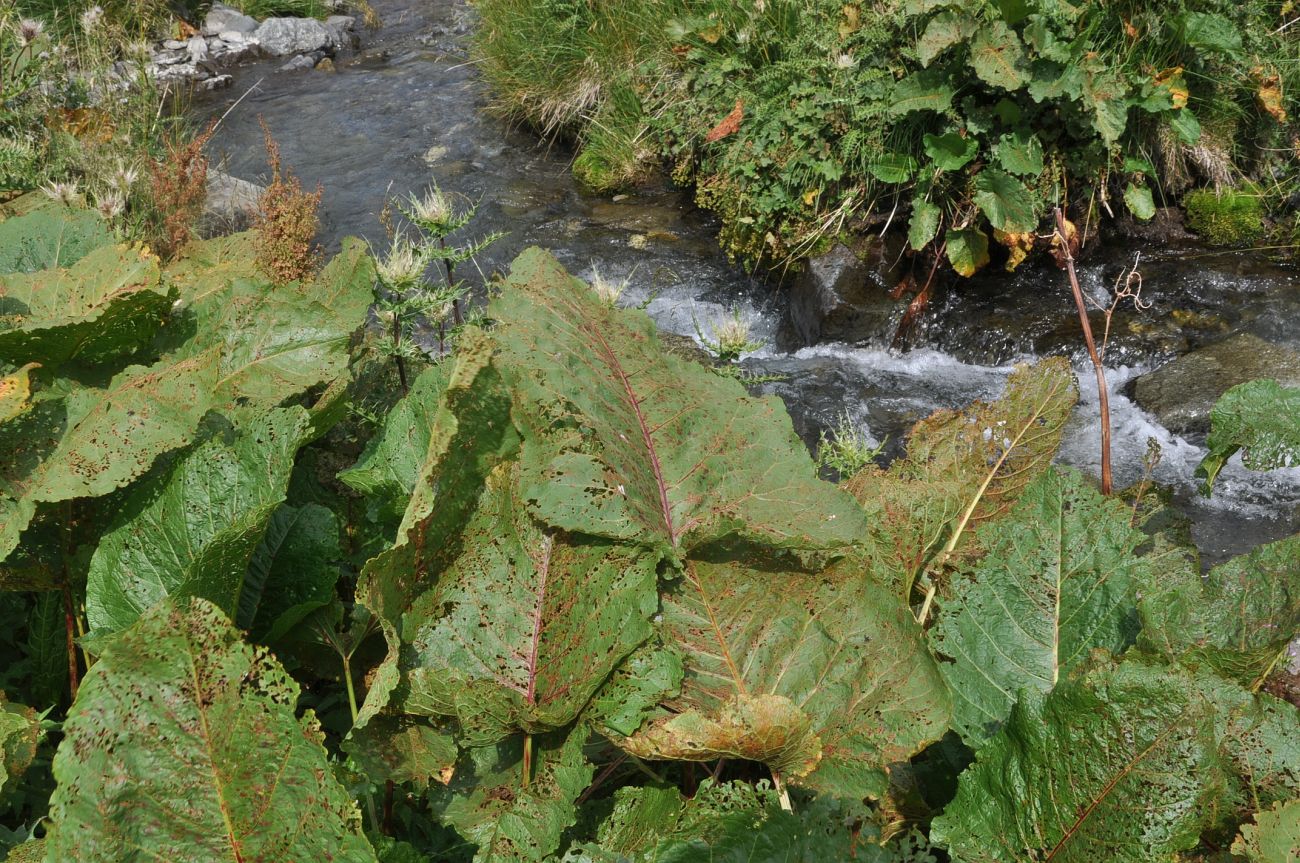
(1228, 218)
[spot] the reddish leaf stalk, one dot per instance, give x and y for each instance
(1103, 396)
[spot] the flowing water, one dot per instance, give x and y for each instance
(408, 109)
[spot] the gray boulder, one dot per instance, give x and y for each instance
(281, 37)
(231, 204)
(841, 296)
(1182, 392)
(223, 19)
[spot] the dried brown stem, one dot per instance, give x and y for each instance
(1103, 396)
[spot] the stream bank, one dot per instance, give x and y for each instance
(409, 108)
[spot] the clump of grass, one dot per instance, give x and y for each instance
(847, 449)
(729, 338)
(178, 187)
(1226, 218)
(283, 8)
(286, 222)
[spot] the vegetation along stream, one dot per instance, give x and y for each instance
(650, 431)
(410, 109)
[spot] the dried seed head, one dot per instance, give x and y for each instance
(91, 18)
(29, 30)
(433, 212)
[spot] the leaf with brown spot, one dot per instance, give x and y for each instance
(1270, 96)
(523, 628)
(16, 392)
(184, 741)
(823, 674)
(624, 441)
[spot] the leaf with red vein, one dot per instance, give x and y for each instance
(526, 624)
(624, 441)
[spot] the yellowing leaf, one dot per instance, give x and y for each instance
(1019, 244)
(968, 251)
(16, 392)
(1270, 97)
(1172, 82)
(766, 728)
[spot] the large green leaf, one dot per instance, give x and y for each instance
(1237, 620)
(946, 29)
(1261, 417)
(963, 468)
(389, 468)
(511, 818)
(927, 90)
(1020, 153)
(1005, 201)
(274, 341)
(19, 733)
(1274, 837)
(50, 236)
(93, 441)
(1057, 580)
(108, 304)
(526, 624)
(950, 151)
(403, 749)
(968, 250)
(1210, 32)
(207, 759)
(924, 225)
(730, 823)
(1139, 201)
(628, 442)
(998, 57)
(192, 531)
(470, 433)
(1120, 764)
(293, 572)
(823, 676)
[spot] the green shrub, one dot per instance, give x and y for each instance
(797, 119)
(285, 8)
(1225, 218)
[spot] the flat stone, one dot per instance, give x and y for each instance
(173, 45)
(1183, 391)
(281, 37)
(217, 82)
(177, 73)
(223, 19)
(171, 56)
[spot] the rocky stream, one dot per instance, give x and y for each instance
(406, 107)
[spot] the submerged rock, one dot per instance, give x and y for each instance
(841, 296)
(1182, 392)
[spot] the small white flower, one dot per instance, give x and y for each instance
(125, 176)
(845, 61)
(29, 30)
(110, 204)
(65, 193)
(91, 17)
(433, 212)
(403, 266)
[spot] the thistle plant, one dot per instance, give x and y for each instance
(846, 449)
(407, 293)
